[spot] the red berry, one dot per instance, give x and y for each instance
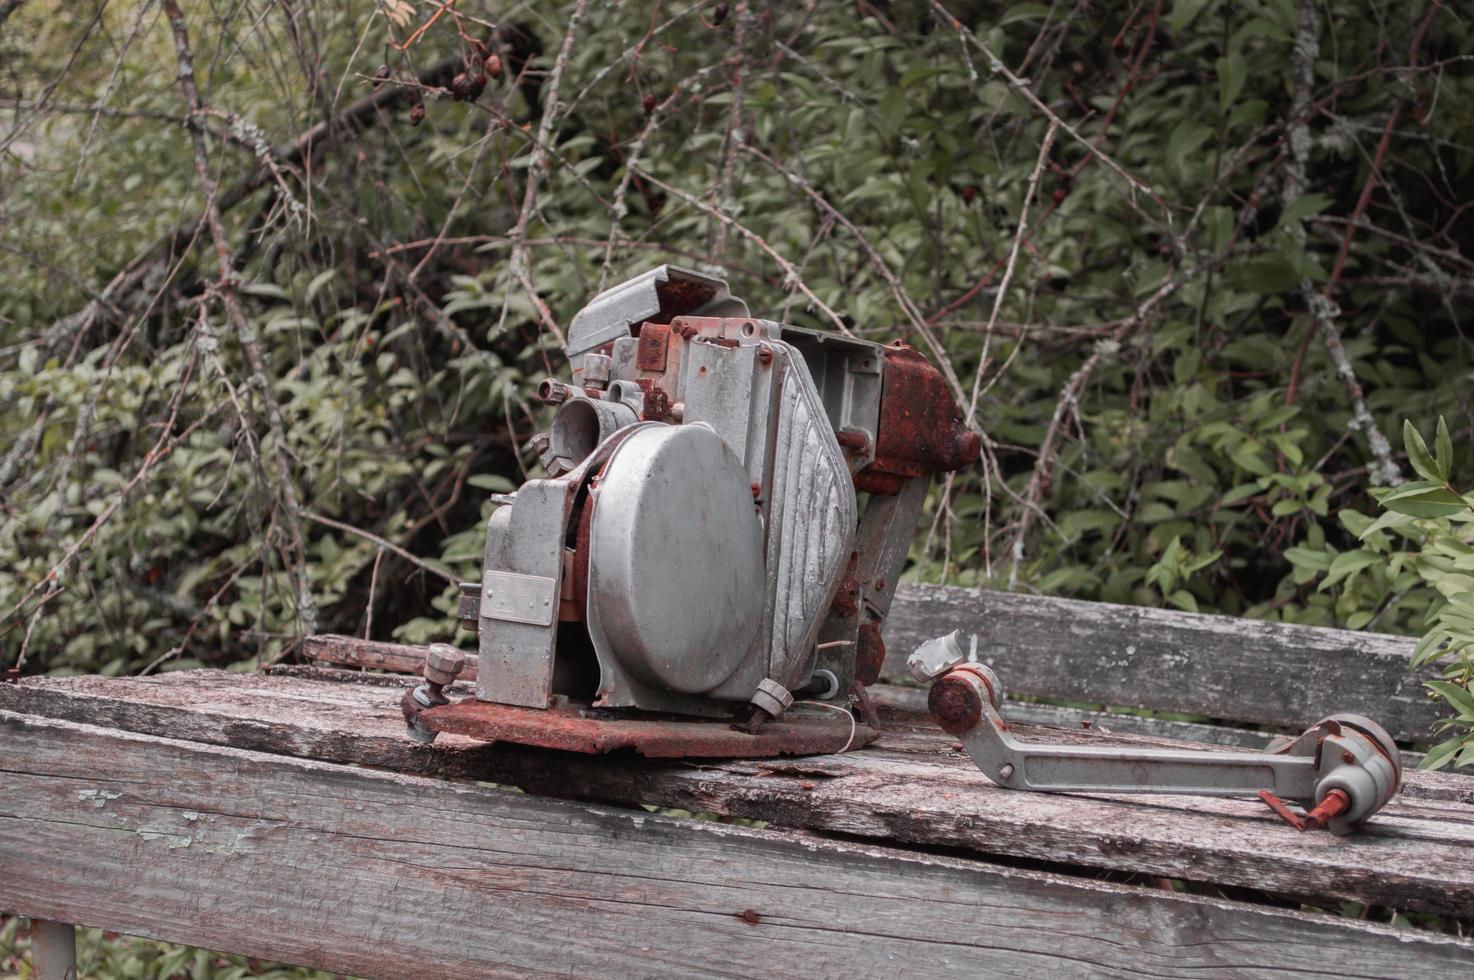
(417, 114)
(649, 103)
(494, 66)
(969, 193)
(719, 14)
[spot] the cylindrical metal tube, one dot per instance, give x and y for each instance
(582, 423)
(53, 950)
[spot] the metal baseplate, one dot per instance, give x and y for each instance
(580, 728)
(1340, 771)
(574, 727)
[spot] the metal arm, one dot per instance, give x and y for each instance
(1342, 770)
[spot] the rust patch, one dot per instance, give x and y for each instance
(847, 600)
(921, 429)
(574, 728)
(869, 653)
(581, 555)
(679, 295)
(657, 401)
(653, 345)
(955, 703)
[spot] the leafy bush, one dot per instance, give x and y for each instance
(1423, 542)
(1185, 262)
(101, 954)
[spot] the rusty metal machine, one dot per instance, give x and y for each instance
(696, 575)
(696, 555)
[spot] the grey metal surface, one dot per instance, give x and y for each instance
(525, 539)
(53, 950)
(727, 389)
(580, 425)
(846, 373)
(675, 594)
(516, 598)
(811, 521)
(667, 289)
(1345, 754)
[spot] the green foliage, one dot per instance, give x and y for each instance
(1419, 552)
(101, 954)
(1165, 424)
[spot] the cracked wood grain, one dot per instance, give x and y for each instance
(1221, 667)
(911, 787)
(388, 874)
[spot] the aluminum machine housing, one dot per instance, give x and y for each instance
(728, 504)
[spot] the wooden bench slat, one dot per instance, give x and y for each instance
(385, 874)
(1222, 667)
(911, 787)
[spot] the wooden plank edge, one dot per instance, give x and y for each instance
(384, 874)
(1221, 667)
(919, 799)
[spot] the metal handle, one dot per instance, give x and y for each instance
(1342, 769)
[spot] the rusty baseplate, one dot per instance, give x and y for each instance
(579, 729)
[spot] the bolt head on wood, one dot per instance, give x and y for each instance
(443, 663)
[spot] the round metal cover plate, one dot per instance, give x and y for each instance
(676, 569)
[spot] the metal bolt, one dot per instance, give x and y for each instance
(1006, 771)
(443, 663)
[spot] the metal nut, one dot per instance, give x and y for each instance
(772, 697)
(443, 663)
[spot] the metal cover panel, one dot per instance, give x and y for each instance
(811, 520)
(517, 598)
(676, 584)
(526, 538)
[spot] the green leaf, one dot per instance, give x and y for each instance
(1444, 459)
(1457, 697)
(1428, 648)
(1286, 507)
(1355, 521)
(1024, 11)
(1440, 754)
(1417, 453)
(318, 281)
(1306, 558)
(1388, 520)
(1183, 600)
(1438, 502)
(494, 482)
(1303, 207)
(1183, 11)
(1347, 564)
(1232, 71)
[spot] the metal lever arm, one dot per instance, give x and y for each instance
(1343, 769)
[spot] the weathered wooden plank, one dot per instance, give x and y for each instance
(910, 703)
(383, 874)
(910, 787)
(1219, 666)
(402, 658)
(348, 651)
